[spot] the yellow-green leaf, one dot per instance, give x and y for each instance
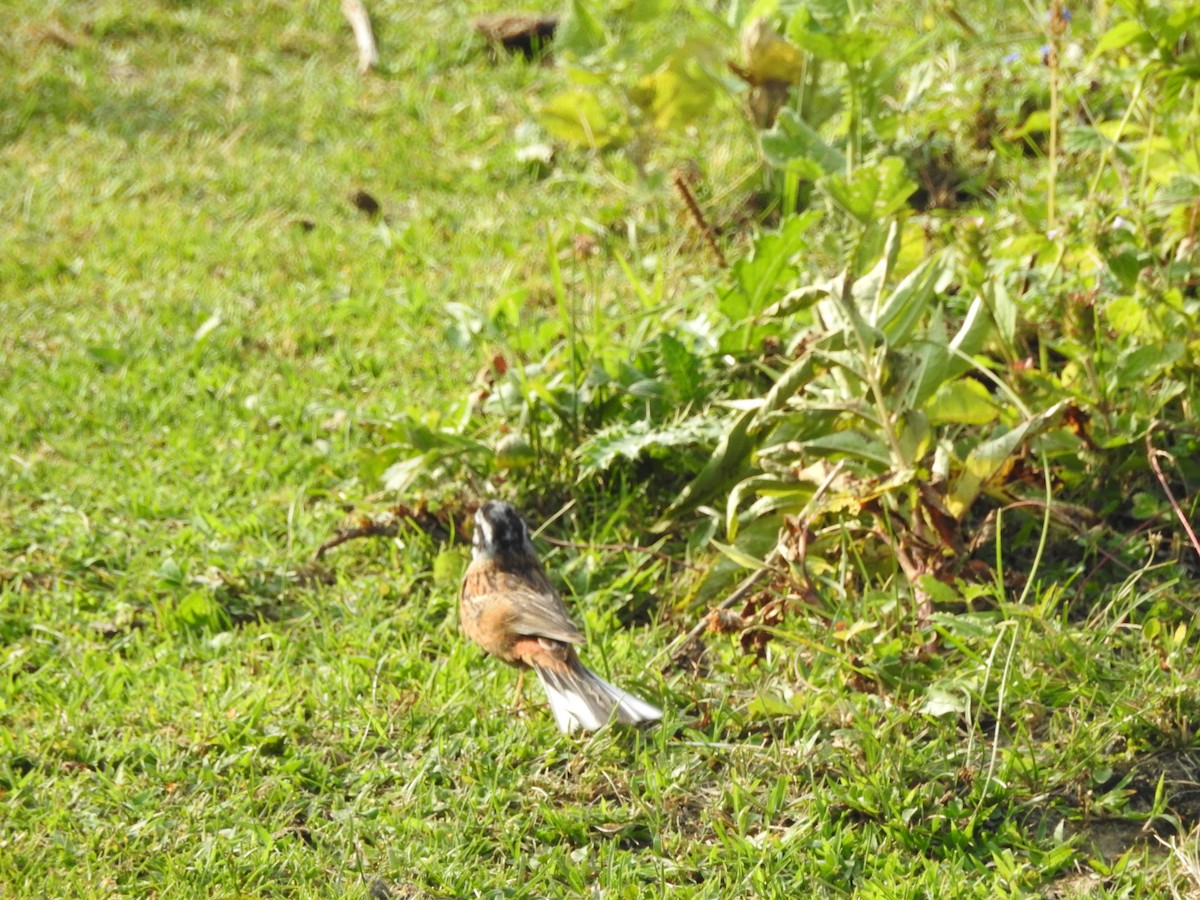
(578, 117)
(962, 402)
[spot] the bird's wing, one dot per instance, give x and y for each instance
(538, 614)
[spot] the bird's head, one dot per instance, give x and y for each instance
(500, 531)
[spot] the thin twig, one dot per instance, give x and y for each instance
(1153, 454)
(373, 528)
(706, 230)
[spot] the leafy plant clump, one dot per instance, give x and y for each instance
(879, 370)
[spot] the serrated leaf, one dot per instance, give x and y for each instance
(680, 366)
(630, 441)
(872, 193)
(792, 139)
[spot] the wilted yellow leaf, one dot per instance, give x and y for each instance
(770, 57)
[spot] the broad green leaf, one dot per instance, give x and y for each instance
(914, 435)
(648, 389)
(738, 556)
(792, 138)
(853, 47)
(400, 476)
(580, 31)
(771, 705)
(869, 288)
(872, 193)
(108, 358)
(854, 444)
(942, 364)
(1037, 122)
(938, 591)
(681, 367)
(729, 456)
(909, 302)
(1127, 315)
(768, 271)
(1139, 366)
(940, 702)
(795, 377)
(795, 301)
(1146, 505)
(962, 402)
(761, 484)
(679, 91)
(774, 504)
(1004, 310)
(1121, 35)
(578, 117)
(986, 460)
(648, 10)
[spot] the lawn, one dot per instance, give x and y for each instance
(234, 273)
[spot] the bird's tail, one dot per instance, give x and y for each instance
(581, 699)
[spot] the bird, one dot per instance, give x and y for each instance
(508, 606)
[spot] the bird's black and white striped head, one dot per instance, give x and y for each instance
(500, 531)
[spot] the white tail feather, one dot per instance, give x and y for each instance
(581, 699)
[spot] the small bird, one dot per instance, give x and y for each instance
(509, 608)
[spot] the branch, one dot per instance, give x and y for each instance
(1153, 454)
(388, 527)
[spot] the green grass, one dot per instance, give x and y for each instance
(200, 331)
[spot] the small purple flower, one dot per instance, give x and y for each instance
(1013, 57)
